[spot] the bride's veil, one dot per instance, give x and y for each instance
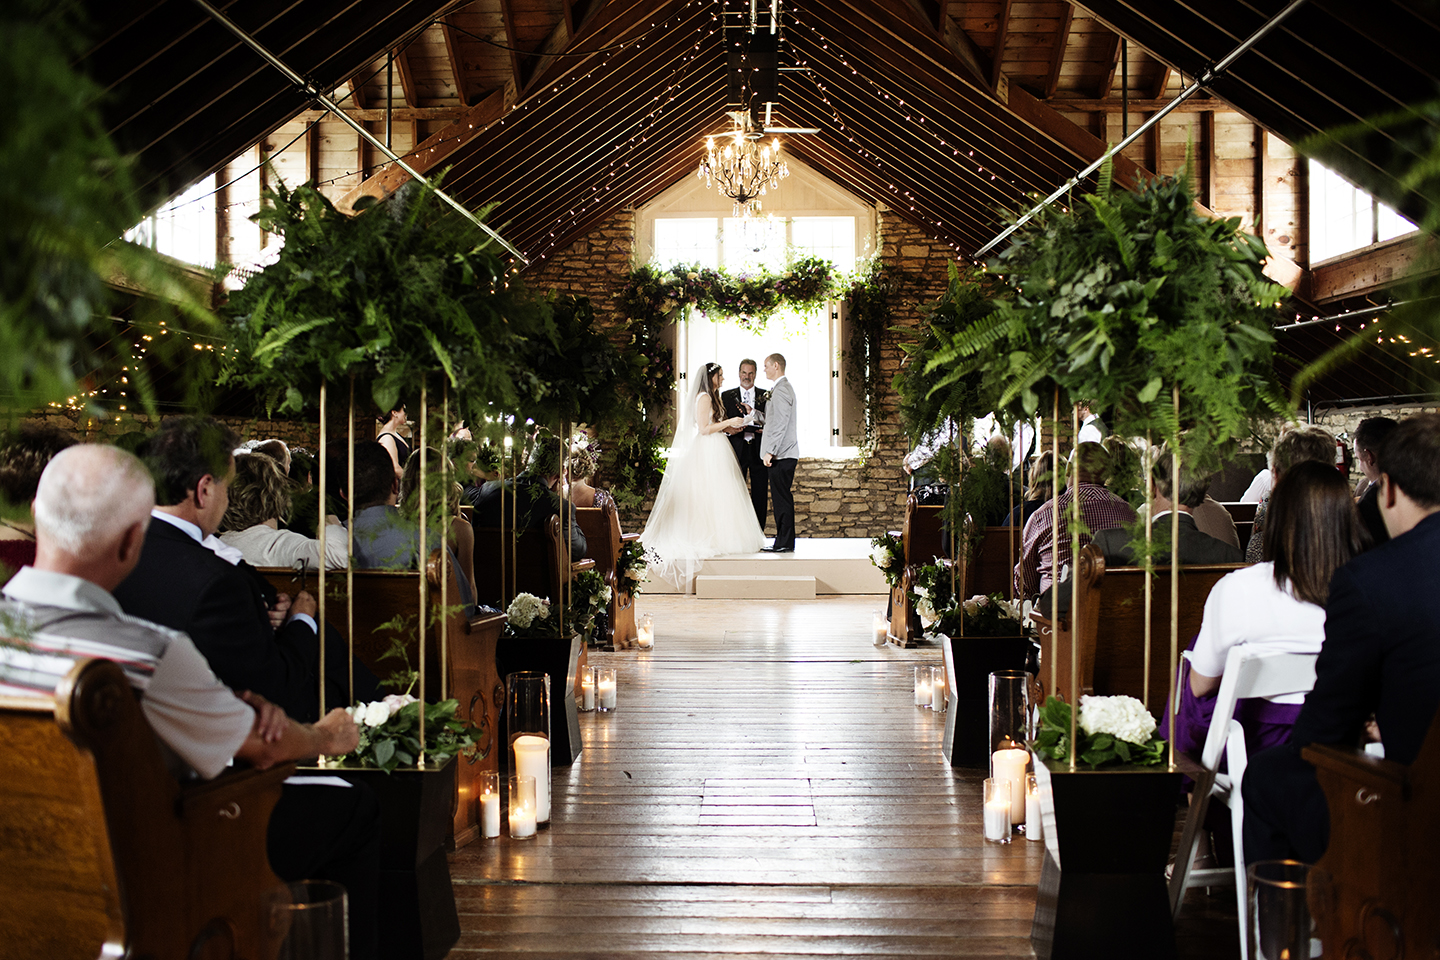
(685, 428)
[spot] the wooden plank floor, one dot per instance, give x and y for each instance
(765, 788)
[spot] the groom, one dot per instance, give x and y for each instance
(745, 441)
(780, 451)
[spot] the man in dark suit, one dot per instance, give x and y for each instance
(741, 402)
(1195, 547)
(532, 496)
(1370, 436)
(1381, 655)
(182, 584)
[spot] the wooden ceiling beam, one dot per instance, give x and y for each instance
(452, 55)
(407, 79)
(1057, 56)
(559, 40)
(1195, 104)
(1002, 35)
(1102, 92)
(1162, 80)
(356, 85)
(948, 32)
(507, 14)
(606, 25)
(398, 114)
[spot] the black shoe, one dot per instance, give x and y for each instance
(780, 549)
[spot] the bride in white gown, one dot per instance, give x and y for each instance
(703, 509)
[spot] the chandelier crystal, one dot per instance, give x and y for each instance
(743, 169)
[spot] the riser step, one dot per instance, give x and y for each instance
(710, 587)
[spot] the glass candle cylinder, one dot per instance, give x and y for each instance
(881, 626)
(939, 691)
(527, 716)
(645, 632)
(923, 693)
(307, 920)
(1282, 897)
(1034, 825)
(997, 810)
(522, 807)
(1009, 764)
(604, 689)
(587, 691)
(489, 787)
(1009, 709)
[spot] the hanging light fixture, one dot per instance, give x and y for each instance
(743, 169)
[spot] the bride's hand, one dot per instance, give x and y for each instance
(736, 422)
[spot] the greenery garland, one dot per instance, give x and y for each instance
(750, 299)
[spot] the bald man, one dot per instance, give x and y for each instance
(91, 510)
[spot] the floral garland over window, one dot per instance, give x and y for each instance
(750, 299)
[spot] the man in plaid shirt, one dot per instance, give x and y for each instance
(1099, 510)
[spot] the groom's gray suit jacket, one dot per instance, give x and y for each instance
(779, 439)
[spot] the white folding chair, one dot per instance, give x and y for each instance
(1249, 672)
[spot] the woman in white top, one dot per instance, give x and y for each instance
(1314, 529)
(259, 499)
(703, 509)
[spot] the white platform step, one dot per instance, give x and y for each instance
(836, 565)
(754, 587)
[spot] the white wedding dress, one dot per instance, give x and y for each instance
(703, 509)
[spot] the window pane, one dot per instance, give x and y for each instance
(830, 237)
(754, 243)
(1393, 225)
(184, 228)
(687, 241)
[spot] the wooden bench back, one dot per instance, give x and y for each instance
(1384, 834)
(603, 540)
(1244, 516)
(992, 568)
(508, 562)
(1112, 628)
(466, 663)
(922, 545)
(103, 846)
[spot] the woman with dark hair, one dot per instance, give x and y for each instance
(393, 437)
(1279, 604)
(259, 501)
(703, 508)
(23, 457)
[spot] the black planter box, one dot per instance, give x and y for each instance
(558, 658)
(418, 920)
(969, 661)
(1102, 887)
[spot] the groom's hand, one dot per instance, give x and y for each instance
(768, 458)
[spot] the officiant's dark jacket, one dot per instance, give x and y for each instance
(182, 585)
(747, 453)
(1381, 655)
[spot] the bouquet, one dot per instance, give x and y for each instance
(932, 595)
(630, 568)
(529, 616)
(887, 553)
(588, 596)
(986, 616)
(1110, 730)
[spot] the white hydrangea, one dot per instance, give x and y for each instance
(525, 608)
(971, 606)
(926, 609)
(1122, 717)
(603, 596)
(370, 714)
(395, 701)
(879, 556)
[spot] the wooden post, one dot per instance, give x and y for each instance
(1074, 584)
(324, 477)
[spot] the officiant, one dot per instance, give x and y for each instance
(748, 401)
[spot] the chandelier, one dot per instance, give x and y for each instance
(743, 169)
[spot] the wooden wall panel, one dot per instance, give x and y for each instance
(288, 160)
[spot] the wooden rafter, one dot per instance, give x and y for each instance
(1162, 80)
(452, 54)
(507, 13)
(569, 18)
(1108, 84)
(356, 85)
(407, 79)
(1057, 56)
(559, 40)
(1193, 105)
(1002, 34)
(398, 114)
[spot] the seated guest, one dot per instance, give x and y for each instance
(1040, 490)
(462, 535)
(1370, 436)
(92, 509)
(23, 457)
(259, 503)
(1278, 604)
(1293, 446)
(302, 470)
(532, 496)
(1381, 655)
(582, 467)
(1099, 510)
(183, 585)
(1194, 546)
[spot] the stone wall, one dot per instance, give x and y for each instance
(833, 498)
(1346, 419)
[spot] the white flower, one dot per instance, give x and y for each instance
(971, 607)
(921, 592)
(926, 609)
(692, 275)
(603, 596)
(981, 601)
(370, 714)
(1122, 717)
(525, 608)
(395, 701)
(879, 556)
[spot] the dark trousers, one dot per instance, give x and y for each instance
(1286, 816)
(782, 477)
(332, 833)
(757, 475)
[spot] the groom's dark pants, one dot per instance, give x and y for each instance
(782, 477)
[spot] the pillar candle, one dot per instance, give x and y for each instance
(1010, 765)
(923, 693)
(645, 636)
(1034, 824)
(937, 690)
(607, 693)
(996, 812)
(522, 821)
(587, 691)
(532, 759)
(490, 815)
(882, 629)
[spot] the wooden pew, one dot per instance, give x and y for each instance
(1112, 628)
(991, 569)
(922, 545)
(105, 852)
(1382, 858)
(1244, 516)
(603, 540)
(466, 671)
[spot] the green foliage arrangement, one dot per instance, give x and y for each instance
(66, 197)
(577, 376)
(630, 567)
(887, 553)
(984, 616)
(588, 596)
(868, 300)
(1124, 300)
(1099, 749)
(749, 299)
(392, 295)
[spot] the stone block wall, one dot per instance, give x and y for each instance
(833, 498)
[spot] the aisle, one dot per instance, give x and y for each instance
(766, 787)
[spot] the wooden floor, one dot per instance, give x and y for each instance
(765, 788)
